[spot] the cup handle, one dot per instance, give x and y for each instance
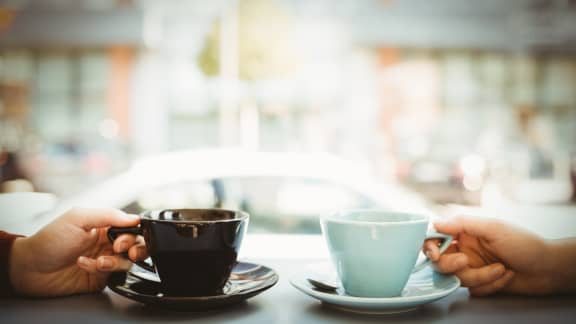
(114, 232)
(445, 244)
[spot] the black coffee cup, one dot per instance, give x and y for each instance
(193, 250)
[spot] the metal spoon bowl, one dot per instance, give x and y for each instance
(324, 284)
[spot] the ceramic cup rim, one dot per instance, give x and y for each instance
(412, 217)
(240, 216)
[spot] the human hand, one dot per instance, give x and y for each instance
(72, 254)
(489, 256)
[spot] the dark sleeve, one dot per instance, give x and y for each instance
(6, 240)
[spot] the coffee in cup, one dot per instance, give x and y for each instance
(375, 251)
(193, 250)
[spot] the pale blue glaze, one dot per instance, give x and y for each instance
(374, 252)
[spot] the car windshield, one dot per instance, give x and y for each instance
(275, 204)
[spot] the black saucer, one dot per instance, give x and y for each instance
(247, 280)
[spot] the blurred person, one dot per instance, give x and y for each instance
(491, 257)
(12, 175)
(71, 255)
(538, 139)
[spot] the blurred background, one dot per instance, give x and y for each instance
(143, 104)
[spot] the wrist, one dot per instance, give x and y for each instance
(561, 262)
(18, 263)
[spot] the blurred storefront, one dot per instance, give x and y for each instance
(464, 101)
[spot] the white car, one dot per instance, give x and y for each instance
(283, 192)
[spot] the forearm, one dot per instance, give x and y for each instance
(563, 265)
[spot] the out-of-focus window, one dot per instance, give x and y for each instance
(276, 205)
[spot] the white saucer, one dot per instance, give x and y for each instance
(423, 287)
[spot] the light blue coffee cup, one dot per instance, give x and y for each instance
(375, 251)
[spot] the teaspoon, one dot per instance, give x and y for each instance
(323, 284)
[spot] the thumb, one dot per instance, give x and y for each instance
(475, 226)
(89, 218)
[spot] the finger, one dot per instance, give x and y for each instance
(138, 252)
(432, 250)
(112, 264)
(451, 263)
(480, 227)
(493, 287)
(474, 277)
(124, 242)
(87, 264)
(89, 218)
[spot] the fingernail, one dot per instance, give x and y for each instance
(123, 246)
(428, 254)
(105, 264)
(83, 259)
(498, 269)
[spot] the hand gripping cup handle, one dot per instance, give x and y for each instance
(114, 232)
(447, 240)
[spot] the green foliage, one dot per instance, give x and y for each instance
(264, 43)
(208, 58)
